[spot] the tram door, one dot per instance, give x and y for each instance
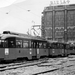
(38, 50)
(66, 49)
(34, 48)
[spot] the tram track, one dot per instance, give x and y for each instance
(52, 70)
(23, 64)
(55, 68)
(38, 63)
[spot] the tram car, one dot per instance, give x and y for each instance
(71, 47)
(16, 45)
(58, 48)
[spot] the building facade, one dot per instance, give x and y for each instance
(58, 22)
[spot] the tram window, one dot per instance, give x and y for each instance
(37, 45)
(5, 44)
(29, 43)
(71, 48)
(60, 45)
(54, 45)
(40, 45)
(67, 46)
(11, 42)
(19, 43)
(44, 45)
(1, 43)
(25, 44)
(49, 45)
(32, 44)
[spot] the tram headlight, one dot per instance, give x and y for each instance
(6, 51)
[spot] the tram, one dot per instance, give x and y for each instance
(16, 45)
(58, 48)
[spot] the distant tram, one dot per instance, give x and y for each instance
(71, 47)
(58, 48)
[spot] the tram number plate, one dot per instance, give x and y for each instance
(6, 51)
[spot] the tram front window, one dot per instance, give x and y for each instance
(10, 42)
(3, 43)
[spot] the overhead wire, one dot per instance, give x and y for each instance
(18, 18)
(24, 10)
(18, 15)
(20, 8)
(27, 10)
(15, 17)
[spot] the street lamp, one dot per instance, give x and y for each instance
(65, 35)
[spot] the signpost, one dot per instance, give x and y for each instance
(59, 2)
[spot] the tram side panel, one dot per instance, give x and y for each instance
(24, 48)
(42, 52)
(2, 53)
(10, 54)
(54, 52)
(24, 53)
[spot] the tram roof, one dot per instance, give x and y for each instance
(55, 41)
(4, 36)
(72, 42)
(52, 41)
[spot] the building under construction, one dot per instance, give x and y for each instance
(58, 22)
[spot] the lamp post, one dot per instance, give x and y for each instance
(65, 35)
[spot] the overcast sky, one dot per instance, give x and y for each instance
(20, 15)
